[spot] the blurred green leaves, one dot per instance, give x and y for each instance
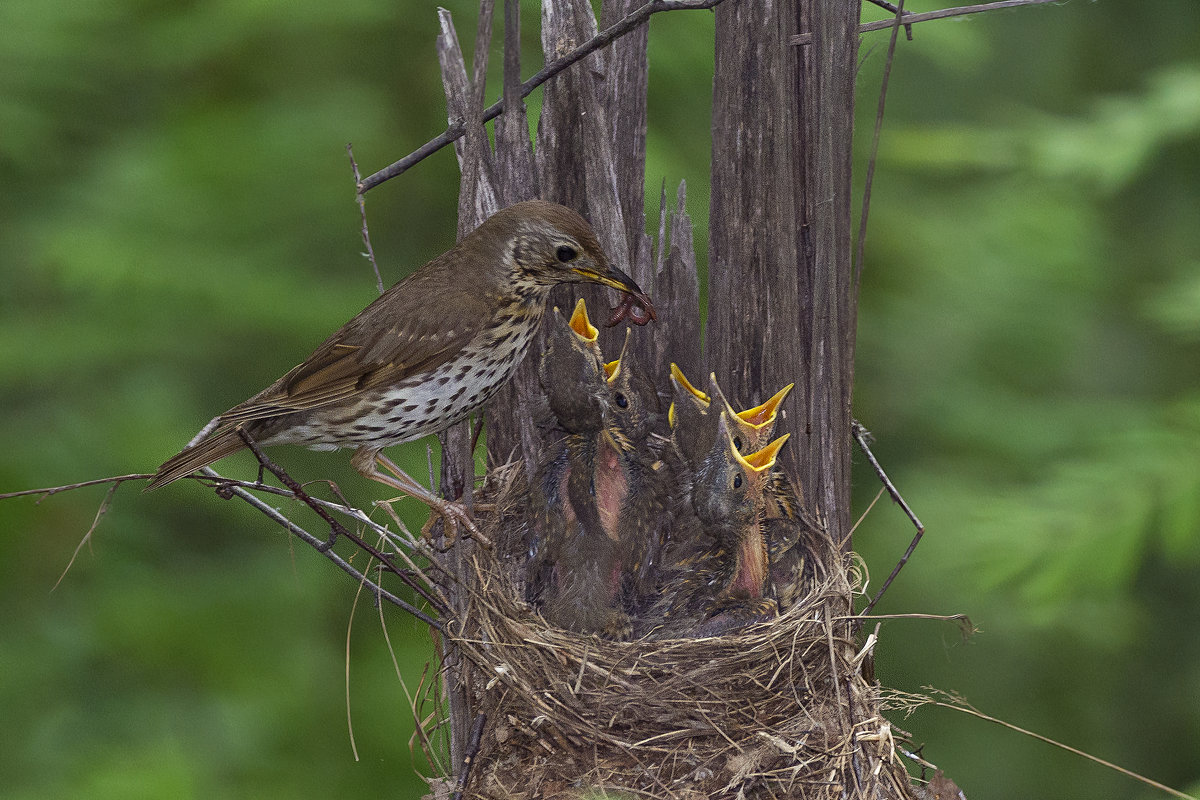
(177, 227)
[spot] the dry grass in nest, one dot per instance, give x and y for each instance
(778, 709)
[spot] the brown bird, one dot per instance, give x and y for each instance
(570, 372)
(643, 513)
(426, 353)
(578, 493)
(719, 567)
(751, 428)
(687, 417)
(591, 508)
(790, 532)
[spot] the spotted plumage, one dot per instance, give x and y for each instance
(426, 353)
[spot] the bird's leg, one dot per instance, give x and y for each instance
(368, 461)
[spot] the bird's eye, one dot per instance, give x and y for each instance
(565, 253)
(737, 442)
(737, 481)
(622, 402)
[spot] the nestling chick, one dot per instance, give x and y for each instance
(789, 531)
(719, 568)
(589, 507)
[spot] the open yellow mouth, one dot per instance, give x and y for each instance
(580, 323)
(764, 414)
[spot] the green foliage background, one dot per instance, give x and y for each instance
(177, 228)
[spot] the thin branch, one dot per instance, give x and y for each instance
(1068, 748)
(597, 42)
(464, 774)
(362, 211)
(116, 480)
(229, 487)
(965, 626)
(899, 10)
(317, 544)
(336, 528)
(860, 436)
(945, 13)
(866, 202)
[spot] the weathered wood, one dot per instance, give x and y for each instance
(779, 304)
(477, 201)
(510, 434)
(625, 83)
(576, 155)
(755, 340)
(828, 127)
(677, 287)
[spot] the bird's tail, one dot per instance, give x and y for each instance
(220, 443)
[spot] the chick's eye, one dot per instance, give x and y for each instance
(565, 253)
(622, 401)
(737, 481)
(737, 442)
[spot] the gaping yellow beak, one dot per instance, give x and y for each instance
(684, 383)
(580, 323)
(764, 414)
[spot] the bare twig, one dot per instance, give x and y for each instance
(335, 528)
(860, 436)
(116, 480)
(317, 544)
(362, 211)
(945, 13)
(965, 626)
(866, 201)
(597, 42)
(898, 10)
(464, 774)
(87, 537)
(1128, 773)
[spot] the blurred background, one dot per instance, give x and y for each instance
(178, 228)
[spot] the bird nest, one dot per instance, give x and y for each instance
(777, 709)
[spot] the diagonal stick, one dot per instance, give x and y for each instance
(860, 436)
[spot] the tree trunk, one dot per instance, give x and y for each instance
(781, 303)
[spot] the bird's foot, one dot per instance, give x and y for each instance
(455, 514)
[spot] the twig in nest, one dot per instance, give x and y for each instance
(362, 211)
(601, 40)
(464, 774)
(860, 435)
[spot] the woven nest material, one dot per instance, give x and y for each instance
(779, 709)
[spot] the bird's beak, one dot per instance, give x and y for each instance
(765, 413)
(580, 323)
(620, 281)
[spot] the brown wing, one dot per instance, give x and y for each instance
(412, 328)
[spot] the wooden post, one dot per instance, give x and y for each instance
(780, 302)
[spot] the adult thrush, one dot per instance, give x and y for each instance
(426, 353)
